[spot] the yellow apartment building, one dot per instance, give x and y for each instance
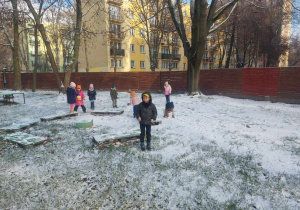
(122, 46)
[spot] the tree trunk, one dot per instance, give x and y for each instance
(15, 49)
(231, 47)
(192, 78)
(36, 57)
(76, 47)
(86, 55)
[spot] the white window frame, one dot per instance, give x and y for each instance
(142, 48)
(132, 47)
(175, 65)
(131, 14)
(184, 65)
(142, 64)
(132, 62)
(142, 33)
(132, 31)
(165, 65)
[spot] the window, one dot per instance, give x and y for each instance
(132, 48)
(141, 17)
(165, 51)
(185, 14)
(205, 66)
(142, 64)
(185, 27)
(132, 64)
(114, 12)
(152, 64)
(119, 63)
(142, 49)
(142, 33)
(184, 65)
(211, 65)
(175, 52)
(131, 31)
(206, 46)
(116, 45)
(175, 65)
(165, 65)
(131, 14)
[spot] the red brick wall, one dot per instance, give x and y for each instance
(261, 81)
(273, 82)
(224, 81)
(289, 83)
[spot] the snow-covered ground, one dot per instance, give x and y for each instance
(217, 153)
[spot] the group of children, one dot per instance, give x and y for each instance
(145, 111)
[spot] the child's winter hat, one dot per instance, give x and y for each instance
(79, 87)
(72, 84)
(132, 93)
(113, 86)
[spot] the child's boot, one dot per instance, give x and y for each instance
(148, 145)
(142, 146)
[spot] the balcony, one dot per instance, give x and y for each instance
(117, 52)
(176, 44)
(115, 2)
(116, 18)
(174, 57)
(116, 35)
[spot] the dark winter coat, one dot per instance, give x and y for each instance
(146, 111)
(71, 95)
(92, 94)
(113, 93)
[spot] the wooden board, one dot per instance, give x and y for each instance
(18, 126)
(24, 139)
(56, 117)
(84, 124)
(112, 138)
(156, 122)
(108, 112)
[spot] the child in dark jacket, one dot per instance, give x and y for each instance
(92, 96)
(146, 114)
(114, 95)
(71, 94)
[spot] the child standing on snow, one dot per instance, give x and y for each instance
(168, 90)
(79, 99)
(146, 114)
(71, 94)
(114, 95)
(135, 101)
(92, 96)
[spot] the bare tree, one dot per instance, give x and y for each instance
(294, 58)
(204, 20)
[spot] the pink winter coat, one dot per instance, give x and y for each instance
(81, 94)
(134, 100)
(168, 90)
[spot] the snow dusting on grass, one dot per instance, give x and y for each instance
(217, 153)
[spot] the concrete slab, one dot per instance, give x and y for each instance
(112, 138)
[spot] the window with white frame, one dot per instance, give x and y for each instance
(174, 65)
(142, 33)
(114, 12)
(142, 48)
(175, 52)
(165, 65)
(132, 48)
(184, 65)
(142, 64)
(131, 14)
(131, 31)
(165, 51)
(185, 14)
(204, 66)
(119, 63)
(211, 65)
(141, 17)
(116, 45)
(132, 64)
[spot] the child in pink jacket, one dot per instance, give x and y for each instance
(79, 99)
(135, 101)
(168, 90)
